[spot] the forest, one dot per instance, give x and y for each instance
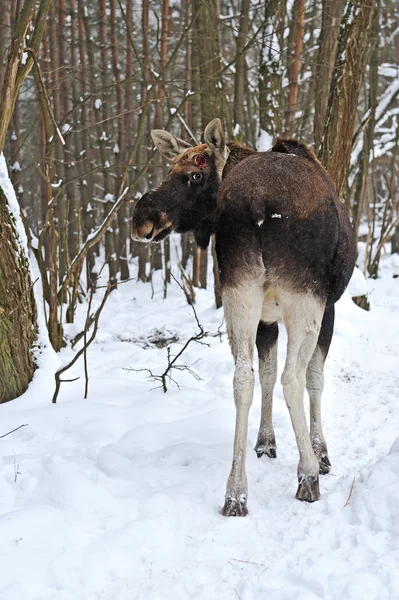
(100, 75)
(82, 85)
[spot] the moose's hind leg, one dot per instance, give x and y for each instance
(266, 343)
(303, 315)
(315, 384)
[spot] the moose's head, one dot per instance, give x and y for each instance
(186, 199)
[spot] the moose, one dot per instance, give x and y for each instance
(285, 252)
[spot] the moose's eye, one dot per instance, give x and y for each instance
(196, 177)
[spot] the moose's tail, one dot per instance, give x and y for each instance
(293, 147)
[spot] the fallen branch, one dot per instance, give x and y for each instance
(172, 364)
(350, 493)
(16, 429)
(83, 350)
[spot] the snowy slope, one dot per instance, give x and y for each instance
(117, 497)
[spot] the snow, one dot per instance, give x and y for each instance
(65, 128)
(13, 206)
(264, 142)
(358, 285)
(117, 497)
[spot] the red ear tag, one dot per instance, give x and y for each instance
(200, 160)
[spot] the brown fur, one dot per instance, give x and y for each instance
(285, 252)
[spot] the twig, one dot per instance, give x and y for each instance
(88, 322)
(16, 429)
(172, 364)
(350, 493)
(248, 562)
(58, 374)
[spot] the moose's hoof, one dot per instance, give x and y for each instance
(308, 489)
(235, 508)
(324, 465)
(262, 449)
(266, 445)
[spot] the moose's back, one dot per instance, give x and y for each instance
(280, 210)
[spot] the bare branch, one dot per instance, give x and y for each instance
(12, 431)
(87, 343)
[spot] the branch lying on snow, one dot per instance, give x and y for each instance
(86, 344)
(172, 364)
(350, 493)
(12, 431)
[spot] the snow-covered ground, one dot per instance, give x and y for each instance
(117, 497)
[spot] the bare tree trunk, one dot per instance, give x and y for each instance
(17, 310)
(121, 240)
(347, 77)
(142, 249)
(294, 63)
(17, 303)
(270, 69)
(368, 136)
(240, 74)
(330, 22)
(206, 43)
(86, 185)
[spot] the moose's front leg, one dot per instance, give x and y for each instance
(237, 489)
(242, 308)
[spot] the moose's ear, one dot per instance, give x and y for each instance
(214, 138)
(167, 144)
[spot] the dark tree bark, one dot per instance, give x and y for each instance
(206, 45)
(240, 74)
(294, 63)
(17, 311)
(353, 44)
(17, 303)
(270, 68)
(331, 14)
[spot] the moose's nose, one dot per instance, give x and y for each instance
(143, 231)
(142, 224)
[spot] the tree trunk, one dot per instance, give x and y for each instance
(240, 74)
(206, 44)
(328, 40)
(17, 306)
(294, 63)
(270, 68)
(345, 86)
(17, 303)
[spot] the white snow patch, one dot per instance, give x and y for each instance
(118, 496)
(57, 184)
(358, 284)
(264, 141)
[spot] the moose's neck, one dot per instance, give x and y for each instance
(237, 154)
